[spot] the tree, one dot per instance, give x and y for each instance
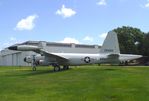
(145, 45)
(130, 40)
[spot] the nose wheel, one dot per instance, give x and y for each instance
(34, 68)
(33, 63)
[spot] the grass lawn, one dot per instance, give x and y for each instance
(82, 83)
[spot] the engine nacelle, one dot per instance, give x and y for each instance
(39, 60)
(24, 48)
(28, 59)
(42, 63)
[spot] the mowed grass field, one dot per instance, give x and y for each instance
(82, 83)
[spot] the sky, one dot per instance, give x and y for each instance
(68, 21)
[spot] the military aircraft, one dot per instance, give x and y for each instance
(109, 53)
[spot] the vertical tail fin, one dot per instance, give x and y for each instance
(110, 45)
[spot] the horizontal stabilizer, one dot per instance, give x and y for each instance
(113, 58)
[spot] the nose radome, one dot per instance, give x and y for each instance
(25, 59)
(12, 48)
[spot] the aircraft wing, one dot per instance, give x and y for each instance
(52, 57)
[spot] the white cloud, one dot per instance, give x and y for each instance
(10, 41)
(6, 44)
(65, 12)
(88, 38)
(102, 38)
(147, 4)
(70, 40)
(26, 23)
(102, 2)
(103, 35)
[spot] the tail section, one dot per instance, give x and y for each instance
(110, 45)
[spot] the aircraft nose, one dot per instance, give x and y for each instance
(12, 48)
(25, 59)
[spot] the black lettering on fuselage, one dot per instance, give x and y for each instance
(108, 50)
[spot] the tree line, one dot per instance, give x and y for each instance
(133, 40)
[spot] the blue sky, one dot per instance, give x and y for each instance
(70, 21)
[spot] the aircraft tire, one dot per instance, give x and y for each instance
(65, 67)
(126, 63)
(34, 68)
(57, 68)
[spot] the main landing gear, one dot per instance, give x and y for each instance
(58, 68)
(124, 63)
(65, 67)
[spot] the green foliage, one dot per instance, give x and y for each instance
(83, 83)
(145, 44)
(130, 40)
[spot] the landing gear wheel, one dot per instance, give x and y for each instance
(126, 63)
(57, 68)
(34, 68)
(65, 67)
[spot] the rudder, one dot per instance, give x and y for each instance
(110, 44)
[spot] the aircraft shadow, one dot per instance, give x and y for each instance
(41, 72)
(38, 72)
(109, 69)
(26, 73)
